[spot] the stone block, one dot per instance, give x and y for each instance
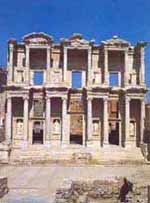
(3, 186)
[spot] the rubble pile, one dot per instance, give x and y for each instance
(97, 191)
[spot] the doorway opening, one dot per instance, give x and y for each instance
(76, 139)
(114, 133)
(37, 133)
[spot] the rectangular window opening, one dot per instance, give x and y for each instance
(38, 78)
(76, 79)
(114, 79)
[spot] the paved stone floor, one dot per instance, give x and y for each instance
(37, 184)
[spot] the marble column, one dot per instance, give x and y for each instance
(126, 71)
(26, 119)
(65, 64)
(48, 65)
(65, 136)
(106, 72)
(9, 121)
(89, 119)
(48, 120)
(142, 120)
(10, 71)
(89, 66)
(105, 122)
(27, 62)
(127, 121)
(142, 70)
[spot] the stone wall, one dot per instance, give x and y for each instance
(3, 186)
(97, 191)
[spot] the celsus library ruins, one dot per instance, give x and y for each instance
(73, 99)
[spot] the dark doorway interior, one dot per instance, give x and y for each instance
(37, 133)
(76, 139)
(114, 134)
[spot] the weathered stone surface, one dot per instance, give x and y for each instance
(3, 186)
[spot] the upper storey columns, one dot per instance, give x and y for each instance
(106, 72)
(10, 61)
(89, 66)
(65, 64)
(142, 78)
(126, 71)
(48, 64)
(27, 62)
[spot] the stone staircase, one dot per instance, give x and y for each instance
(77, 154)
(121, 155)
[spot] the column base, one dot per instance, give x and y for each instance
(65, 143)
(106, 145)
(47, 143)
(89, 143)
(130, 144)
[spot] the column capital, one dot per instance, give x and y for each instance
(105, 99)
(9, 97)
(27, 46)
(25, 97)
(48, 98)
(64, 98)
(11, 47)
(89, 98)
(48, 48)
(127, 99)
(65, 49)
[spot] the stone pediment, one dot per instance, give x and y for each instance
(37, 38)
(115, 40)
(76, 40)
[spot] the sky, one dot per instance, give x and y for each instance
(95, 19)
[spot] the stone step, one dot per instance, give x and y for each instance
(103, 154)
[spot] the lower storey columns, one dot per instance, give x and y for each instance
(89, 120)
(65, 137)
(105, 122)
(127, 121)
(9, 120)
(142, 120)
(26, 118)
(48, 119)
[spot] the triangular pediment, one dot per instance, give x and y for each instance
(76, 40)
(115, 40)
(37, 38)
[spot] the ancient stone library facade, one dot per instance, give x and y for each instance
(74, 93)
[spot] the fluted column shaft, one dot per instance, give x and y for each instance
(26, 118)
(9, 121)
(65, 64)
(142, 119)
(105, 121)
(27, 62)
(89, 119)
(48, 119)
(65, 138)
